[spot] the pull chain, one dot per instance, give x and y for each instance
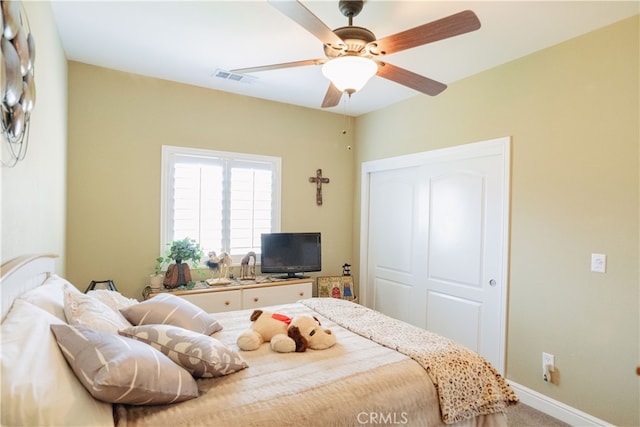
(347, 127)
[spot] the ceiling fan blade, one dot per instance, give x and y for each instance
(332, 97)
(279, 66)
(410, 79)
(453, 25)
(297, 12)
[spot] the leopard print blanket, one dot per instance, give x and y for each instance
(467, 384)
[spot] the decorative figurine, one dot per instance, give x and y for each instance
(225, 265)
(213, 263)
(346, 292)
(335, 291)
(346, 270)
(221, 263)
(247, 270)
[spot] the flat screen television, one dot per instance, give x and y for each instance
(290, 253)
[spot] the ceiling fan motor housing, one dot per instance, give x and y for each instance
(356, 40)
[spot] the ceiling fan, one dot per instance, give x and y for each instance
(358, 51)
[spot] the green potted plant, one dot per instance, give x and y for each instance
(186, 250)
(157, 278)
(181, 251)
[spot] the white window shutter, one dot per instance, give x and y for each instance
(225, 201)
(250, 213)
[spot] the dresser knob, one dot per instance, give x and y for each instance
(227, 302)
(255, 299)
(301, 294)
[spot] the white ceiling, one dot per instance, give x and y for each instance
(187, 41)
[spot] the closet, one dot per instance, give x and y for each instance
(434, 242)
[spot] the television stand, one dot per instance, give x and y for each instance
(238, 296)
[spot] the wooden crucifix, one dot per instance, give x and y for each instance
(319, 180)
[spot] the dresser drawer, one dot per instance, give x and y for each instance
(274, 295)
(215, 302)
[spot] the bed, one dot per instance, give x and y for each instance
(381, 371)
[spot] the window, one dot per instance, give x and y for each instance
(222, 200)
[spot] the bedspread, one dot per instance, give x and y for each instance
(466, 383)
(356, 382)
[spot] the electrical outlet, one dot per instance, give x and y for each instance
(548, 366)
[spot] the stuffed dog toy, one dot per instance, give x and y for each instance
(285, 334)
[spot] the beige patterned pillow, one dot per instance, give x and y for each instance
(117, 369)
(84, 310)
(201, 355)
(167, 309)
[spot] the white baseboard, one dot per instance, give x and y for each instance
(556, 409)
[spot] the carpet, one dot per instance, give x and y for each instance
(522, 415)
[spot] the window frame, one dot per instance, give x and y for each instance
(169, 154)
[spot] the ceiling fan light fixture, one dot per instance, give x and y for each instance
(349, 73)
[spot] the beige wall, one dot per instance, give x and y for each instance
(117, 125)
(572, 111)
(33, 192)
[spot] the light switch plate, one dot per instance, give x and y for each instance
(598, 263)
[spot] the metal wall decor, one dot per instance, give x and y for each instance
(17, 86)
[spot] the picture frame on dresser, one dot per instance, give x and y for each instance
(336, 287)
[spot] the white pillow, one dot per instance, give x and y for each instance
(50, 296)
(38, 386)
(83, 310)
(115, 300)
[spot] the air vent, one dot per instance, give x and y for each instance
(228, 75)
